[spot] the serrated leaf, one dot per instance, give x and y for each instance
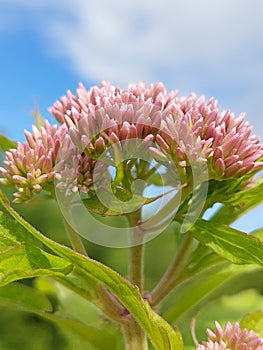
(160, 333)
(12, 230)
(253, 322)
(24, 261)
(239, 203)
(20, 259)
(233, 245)
(6, 143)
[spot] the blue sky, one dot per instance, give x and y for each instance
(214, 48)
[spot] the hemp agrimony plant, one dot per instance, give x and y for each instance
(125, 168)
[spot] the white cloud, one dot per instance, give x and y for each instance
(188, 44)
(113, 35)
(123, 39)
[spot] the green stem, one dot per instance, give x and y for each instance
(134, 336)
(94, 293)
(136, 266)
(75, 240)
(171, 276)
(106, 300)
(136, 258)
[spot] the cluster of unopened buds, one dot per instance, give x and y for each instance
(127, 129)
(178, 130)
(231, 337)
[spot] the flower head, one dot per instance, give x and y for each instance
(184, 129)
(232, 337)
(30, 167)
(106, 95)
(175, 130)
(73, 169)
(226, 140)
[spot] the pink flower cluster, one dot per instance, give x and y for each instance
(232, 337)
(184, 129)
(31, 166)
(181, 130)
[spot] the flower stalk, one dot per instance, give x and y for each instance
(75, 239)
(172, 276)
(136, 258)
(136, 266)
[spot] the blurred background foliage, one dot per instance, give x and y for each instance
(26, 331)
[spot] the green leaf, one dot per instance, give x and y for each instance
(233, 245)
(31, 300)
(258, 234)
(20, 259)
(6, 143)
(118, 203)
(165, 179)
(39, 120)
(239, 203)
(253, 322)
(24, 261)
(100, 338)
(24, 297)
(12, 230)
(160, 333)
(198, 288)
